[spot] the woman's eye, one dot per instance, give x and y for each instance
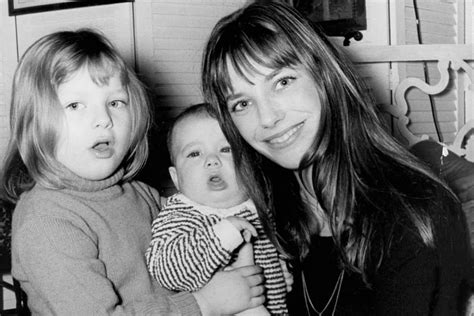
(193, 154)
(226, 149)
(117, 103)
(240, 106)
(283, 82)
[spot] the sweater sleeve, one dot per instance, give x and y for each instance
(421, 280)
(60, 258)
(184, 252)
(405, 283)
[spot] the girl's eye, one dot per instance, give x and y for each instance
(226, 149)
(73, 106)
(240, 106)
(117, 103)
(285, 81)
(193, 154)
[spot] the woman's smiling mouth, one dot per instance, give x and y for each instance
(283, 138)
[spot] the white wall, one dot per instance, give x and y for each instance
(470, 40)
(162, 39)
(8, 60)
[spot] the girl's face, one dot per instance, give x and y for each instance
(204, 167)
(277, 111)
(96, 130)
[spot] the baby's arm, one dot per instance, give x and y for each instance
(245, 258)
(227, 236)
(245, 255)
(186, 251)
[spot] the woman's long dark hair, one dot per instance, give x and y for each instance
(365, 182)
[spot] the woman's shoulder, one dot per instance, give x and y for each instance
(448, 227)
(447, 214)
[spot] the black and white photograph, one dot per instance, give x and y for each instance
(237, 157)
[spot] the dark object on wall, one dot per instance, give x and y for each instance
(21, 306)
(344, 18)
(17, 7)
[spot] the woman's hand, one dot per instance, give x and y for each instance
(230, 292)
(287, 275)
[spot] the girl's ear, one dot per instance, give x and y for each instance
(174, 176)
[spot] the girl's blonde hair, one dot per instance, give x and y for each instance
(36, 111)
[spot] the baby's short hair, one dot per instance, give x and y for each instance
(195, 110)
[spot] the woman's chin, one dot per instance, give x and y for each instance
(287, 161)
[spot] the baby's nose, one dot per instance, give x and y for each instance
(212, 161)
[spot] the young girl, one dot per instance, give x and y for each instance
(81, 226)
(372, 231)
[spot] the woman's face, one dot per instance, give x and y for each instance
(277, 111)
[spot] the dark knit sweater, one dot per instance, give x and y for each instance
(413, 279)
(80, 250)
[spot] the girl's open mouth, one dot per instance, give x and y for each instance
(101, 146)
(103, 149)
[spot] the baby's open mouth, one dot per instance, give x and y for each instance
(215, 179)
(215, 182)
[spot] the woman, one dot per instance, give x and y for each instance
(370, 229)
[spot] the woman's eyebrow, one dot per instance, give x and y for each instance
(268, 77)
(273, 74)
(232, 96)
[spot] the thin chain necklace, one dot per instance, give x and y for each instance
(335, 291)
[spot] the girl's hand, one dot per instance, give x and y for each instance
(230, 292)
(288, 276)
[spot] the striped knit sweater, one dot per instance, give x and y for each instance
(185, 250)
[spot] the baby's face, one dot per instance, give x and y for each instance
(204, 167)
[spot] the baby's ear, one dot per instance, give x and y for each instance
(174, 176)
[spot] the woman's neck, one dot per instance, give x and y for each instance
(309, 198)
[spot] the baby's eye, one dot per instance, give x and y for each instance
(285, 81)
(193, 154)
(117, 103)
(73, 106)
(226, 149)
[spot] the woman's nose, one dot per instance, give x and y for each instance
(212, 161)
(102, 117)
(269, 112)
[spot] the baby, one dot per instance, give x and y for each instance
(203, 227)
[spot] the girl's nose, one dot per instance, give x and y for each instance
(212, 161)
(269, 112)
(102, 117)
